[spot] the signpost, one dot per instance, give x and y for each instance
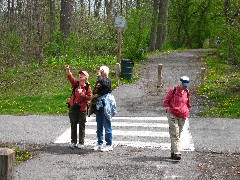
(120, 25)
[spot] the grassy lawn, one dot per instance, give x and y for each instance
(221, 90)
(44, 89)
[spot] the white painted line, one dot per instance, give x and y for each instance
(133, 118)
(131, 124)
(132, 133)
(142, 118)
(65, 137)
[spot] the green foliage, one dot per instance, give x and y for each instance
(222, 86)
(57, 47)
(191, 23)
(95, 39)
(136, 37)
(21, 156)
(10, 51)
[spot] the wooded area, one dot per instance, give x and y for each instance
(36, 30)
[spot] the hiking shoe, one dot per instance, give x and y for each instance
(177, 156)
(80, 146)
(97, 147)
(107, 148)
(72, 145)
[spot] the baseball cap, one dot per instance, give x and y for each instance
(84, 72)
(185, 80)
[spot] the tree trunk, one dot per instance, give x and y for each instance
(40, 9)
(66, 17)
(154, 26)
(162, 20)
(52, 21)
(109, 8)
(97, 7)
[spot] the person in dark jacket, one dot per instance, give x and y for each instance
(78, 106)
(105, 106)
(177, 105)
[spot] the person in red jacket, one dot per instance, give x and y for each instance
(177, 104)
(81, 94)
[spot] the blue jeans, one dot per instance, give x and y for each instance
(102, 121)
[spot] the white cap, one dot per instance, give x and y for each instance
(185, 80)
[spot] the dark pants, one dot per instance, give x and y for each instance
(77, 117)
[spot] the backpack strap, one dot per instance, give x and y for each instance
(87, 86)
(187, 93)
(73, 90)
(174, 90)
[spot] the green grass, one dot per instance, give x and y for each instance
(222, 87)
(44, 89)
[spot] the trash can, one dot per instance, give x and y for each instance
(126, 68)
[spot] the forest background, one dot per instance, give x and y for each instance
(37, 38)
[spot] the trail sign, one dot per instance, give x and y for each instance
(120, 23)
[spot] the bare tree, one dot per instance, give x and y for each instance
(109, 7)
(52, 20)
(154, 26)
(97, 7)
(66, 17)
(162, 26)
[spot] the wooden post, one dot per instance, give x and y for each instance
(159, 83)
(118, 71)
(119, 54)
(160, 74)
(202, 76)
(7, 162)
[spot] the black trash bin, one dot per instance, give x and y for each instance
(126, 68)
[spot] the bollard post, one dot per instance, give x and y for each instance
(159, 83)
(202, 76)
(160, 74)
(7, 162)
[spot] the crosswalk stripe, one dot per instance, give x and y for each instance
(140, 118)
(131, 124)
(186, 138)
(132, 133)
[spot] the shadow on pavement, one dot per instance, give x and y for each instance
(154, 158)
(65, 149)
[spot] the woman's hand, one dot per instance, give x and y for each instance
(67, 68)
(99, 72)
